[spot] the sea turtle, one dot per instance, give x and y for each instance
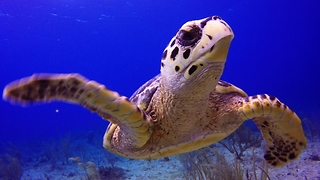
(184, 108)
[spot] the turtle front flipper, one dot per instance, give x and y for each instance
(280, 127)
(77, 89)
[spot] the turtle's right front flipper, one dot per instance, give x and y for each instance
(280, 127)
(76, 89)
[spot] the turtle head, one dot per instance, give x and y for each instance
(198, 51)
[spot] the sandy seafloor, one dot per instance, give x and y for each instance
(301, 169)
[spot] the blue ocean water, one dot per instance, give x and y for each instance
(119, 44)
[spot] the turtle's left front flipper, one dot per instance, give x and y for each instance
(76, 89)
(280, 127)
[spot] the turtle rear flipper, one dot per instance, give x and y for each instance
(280, 127)
(76, 89)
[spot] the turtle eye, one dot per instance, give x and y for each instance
(189, 38)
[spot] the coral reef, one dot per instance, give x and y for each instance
(56, 150)
(208, 163)
(241, 140)
(65, 146)
(112, 173)
(101, 173)
(10, 166)
(199, 165)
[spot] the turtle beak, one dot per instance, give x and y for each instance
(219, 51)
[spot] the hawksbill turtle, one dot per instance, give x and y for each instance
(184, 108)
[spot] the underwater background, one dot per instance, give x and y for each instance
(119, 43)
